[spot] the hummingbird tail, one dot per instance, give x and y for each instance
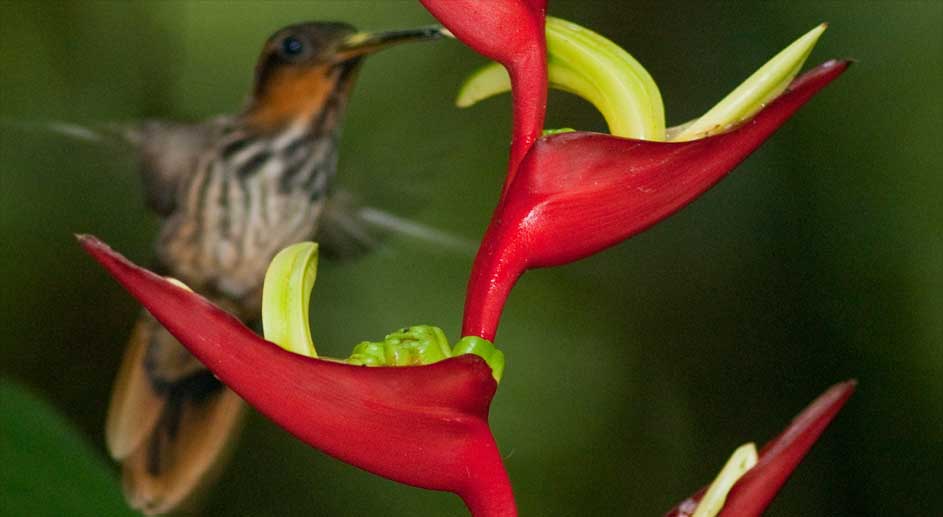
(170, 422)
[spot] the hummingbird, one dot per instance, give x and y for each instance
(230, 192)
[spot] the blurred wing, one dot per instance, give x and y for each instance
(168, 151)
(348, 229)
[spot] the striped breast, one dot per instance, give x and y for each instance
(250, 196)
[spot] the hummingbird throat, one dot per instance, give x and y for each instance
(295, 94)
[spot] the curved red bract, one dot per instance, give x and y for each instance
(578, 193)
(425, 426)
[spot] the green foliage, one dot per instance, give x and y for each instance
(46, 466)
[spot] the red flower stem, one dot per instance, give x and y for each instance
(494, 273)
(529, 93)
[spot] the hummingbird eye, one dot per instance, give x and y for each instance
(292, 46)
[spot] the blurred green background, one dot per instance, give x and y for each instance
(631, 375)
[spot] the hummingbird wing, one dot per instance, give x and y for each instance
(168, 151)
(348, 229)
(170, 421)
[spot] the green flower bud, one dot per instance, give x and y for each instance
(419, 344)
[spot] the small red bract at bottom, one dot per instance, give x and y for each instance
(753, 492)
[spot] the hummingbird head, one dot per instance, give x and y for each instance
(305, 66)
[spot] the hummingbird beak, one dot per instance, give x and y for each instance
(363, 43)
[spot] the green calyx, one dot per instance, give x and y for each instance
(424, 344)
(587, 64)
(548, 132)
(484, 349)
(286, 294)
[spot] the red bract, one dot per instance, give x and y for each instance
(578, 193)
(752, 493)
(510, 32)
(425, 426)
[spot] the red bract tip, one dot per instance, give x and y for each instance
(425, 426)
(510, 32)
(578, 193)
(753, 492)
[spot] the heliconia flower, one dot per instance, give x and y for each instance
(567, 195)
(754, 489)
(425, 426)
(577, 193)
